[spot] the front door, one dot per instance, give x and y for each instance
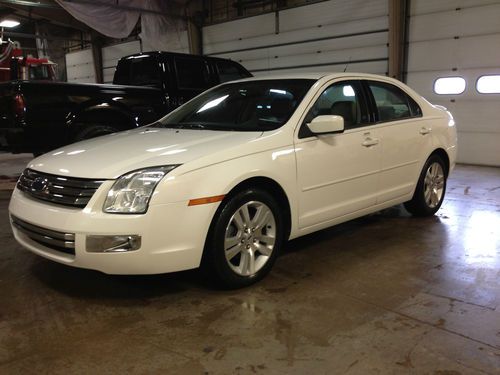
(337, 173)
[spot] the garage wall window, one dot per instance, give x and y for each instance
(488, 84)
(449, 85)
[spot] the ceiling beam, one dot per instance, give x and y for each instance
(34, 4)
(57, 16)
(48, 37)
(126, 8)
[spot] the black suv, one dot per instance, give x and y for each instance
(40, 116)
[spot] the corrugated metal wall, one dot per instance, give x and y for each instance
(459, 38)
(318, 37)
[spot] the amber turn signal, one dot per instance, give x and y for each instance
(206, 200)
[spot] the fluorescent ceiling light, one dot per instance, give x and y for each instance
(9, 23)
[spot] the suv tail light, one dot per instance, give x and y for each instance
(19, 105)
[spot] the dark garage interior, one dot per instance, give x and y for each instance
(384, 293)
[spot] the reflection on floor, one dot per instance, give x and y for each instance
(384, 294)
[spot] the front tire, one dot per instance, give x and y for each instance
(245, 238)
(431, 188)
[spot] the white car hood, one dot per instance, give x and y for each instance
(116, 154)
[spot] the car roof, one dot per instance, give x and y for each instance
(179, 54)
(319, 75)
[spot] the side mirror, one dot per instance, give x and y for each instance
(326, 124)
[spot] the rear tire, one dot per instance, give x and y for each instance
(431, 188)
(92, 131)
(245, 238)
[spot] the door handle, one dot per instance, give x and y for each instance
(368, 142)
(424, 130)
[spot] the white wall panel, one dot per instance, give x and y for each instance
(478, 148)
(448, 24)
(80, 66)
(111, 55)
(320, 33)
(239, 29)
(359, 41)
(331, 12)
(303, 35)
(459, 38)
(462, 53)
(175, 42)
(419, 7)
(318, 58)
(377, 67)
(423, 82)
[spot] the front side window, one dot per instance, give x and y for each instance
(341, 99)
(392, 103)
(241, 106)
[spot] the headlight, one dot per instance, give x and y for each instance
(131, 193)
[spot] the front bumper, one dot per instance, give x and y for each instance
(173, 235)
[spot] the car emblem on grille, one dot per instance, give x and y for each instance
(40, 185)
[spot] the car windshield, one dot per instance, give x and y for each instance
(241, 106)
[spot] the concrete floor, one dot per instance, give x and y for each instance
(385, 294)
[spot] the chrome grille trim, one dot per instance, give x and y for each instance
(59, 241)
(68, 191)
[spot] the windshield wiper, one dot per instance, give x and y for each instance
(187, 125)
(181, 125)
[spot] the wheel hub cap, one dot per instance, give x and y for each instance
(249, 238)
(434, 185)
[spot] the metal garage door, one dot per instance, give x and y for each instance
(459, 38)
(80, 67)
(317, 37)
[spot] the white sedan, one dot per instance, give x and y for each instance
(223, 181)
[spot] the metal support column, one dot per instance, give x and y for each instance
(397, 37)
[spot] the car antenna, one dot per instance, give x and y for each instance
(346, 65)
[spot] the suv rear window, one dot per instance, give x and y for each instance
(138, 71)
(229, 71)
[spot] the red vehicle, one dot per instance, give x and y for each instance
(15, 66)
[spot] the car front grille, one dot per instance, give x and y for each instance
(67, 191)
(59, 241)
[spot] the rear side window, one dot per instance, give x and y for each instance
(229, 71)
(138, 71)
(122, 72)
(393, 103)
(191, 73)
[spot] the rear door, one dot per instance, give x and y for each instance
(337, 173)
(405, 138)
